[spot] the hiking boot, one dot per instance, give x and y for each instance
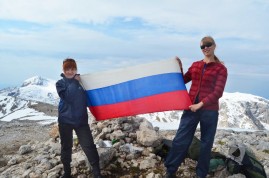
(98, 176)
(96, 172)
(67, 171)
(169, 175)
(66, 176)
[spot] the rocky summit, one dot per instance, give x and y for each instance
(126, 148)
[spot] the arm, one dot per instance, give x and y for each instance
(187, 75)
(179, 63)
(65, 90)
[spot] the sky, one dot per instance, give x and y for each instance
(37, 35)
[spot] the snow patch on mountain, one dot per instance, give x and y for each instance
(29, 114)
(10, 104)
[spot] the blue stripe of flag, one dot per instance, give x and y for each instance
(138, 88)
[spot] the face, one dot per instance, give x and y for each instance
(70, 73)
(207, 48)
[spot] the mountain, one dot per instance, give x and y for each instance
(35, 99)
(34, 89)
(237, 110)
(244, 111)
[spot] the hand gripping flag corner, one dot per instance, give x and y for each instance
(146, 88)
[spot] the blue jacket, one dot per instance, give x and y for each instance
(72, 107)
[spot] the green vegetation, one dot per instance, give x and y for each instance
(221, 143)
(266, 151)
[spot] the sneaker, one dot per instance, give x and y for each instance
(168, 175)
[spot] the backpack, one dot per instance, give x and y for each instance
(241, 160)
(217, 159)
(194, 151)
(232, 166)
(163, 149)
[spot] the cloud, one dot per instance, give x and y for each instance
(109, 34)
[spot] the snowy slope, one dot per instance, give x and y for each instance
(10, 104)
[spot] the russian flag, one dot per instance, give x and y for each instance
(146, 88)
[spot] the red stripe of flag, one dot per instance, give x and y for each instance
(176, 100)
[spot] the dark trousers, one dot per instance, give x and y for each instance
(86, 142)
(183, 138)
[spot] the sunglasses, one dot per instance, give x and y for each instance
(206, 45)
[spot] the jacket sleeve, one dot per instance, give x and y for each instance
(65, 90)
(214, 96)
(187, 76)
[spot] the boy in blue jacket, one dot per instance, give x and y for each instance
(73, 115)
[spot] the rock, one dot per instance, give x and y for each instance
(146, 125)
(12, 162)
(82, 176)
(26, 173)
(106, 155)
(263, 145)
(3, 161)
(150, 175)
(129, 148)
(148, 138)
(147, 163)
(25, 149)
(237, 176)
(118, 134)
(34, 175)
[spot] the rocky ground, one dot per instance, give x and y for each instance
(19, 132)
(31, 150)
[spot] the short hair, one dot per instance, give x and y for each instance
(69, 63)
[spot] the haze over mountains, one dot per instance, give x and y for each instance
(37, 99)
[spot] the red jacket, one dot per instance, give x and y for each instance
(208, 82)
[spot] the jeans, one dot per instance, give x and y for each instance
(208, 124)
(86, 142)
